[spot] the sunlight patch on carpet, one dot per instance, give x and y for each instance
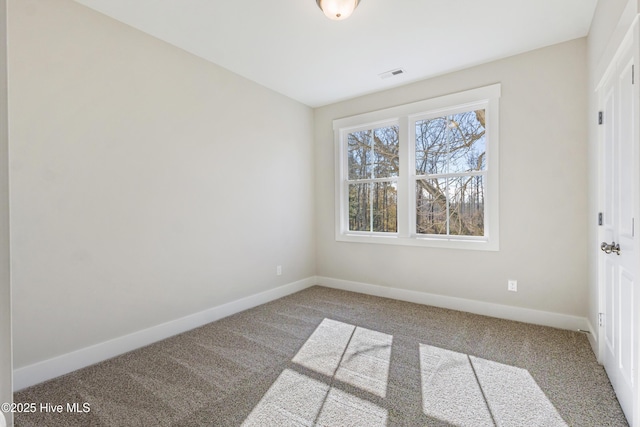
(513, 395)
(354, 355)
(295, 399)
(323, 351)
(469, 391)
(449, 389)
(340, 352)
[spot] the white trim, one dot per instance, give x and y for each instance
(625, 38)
(593, 340)
(447, 242)
(625, 44)
(628, 19)
(472, 97)
(60, 365)
(527, 315)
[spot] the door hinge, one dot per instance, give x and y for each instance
(633, 227)
(633, 74)
(599, 117)
(600, 319)
(600, 218)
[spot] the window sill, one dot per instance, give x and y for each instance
(421, 241)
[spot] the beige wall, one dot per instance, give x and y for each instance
(5, 290)
(543, 191)
(146, 183)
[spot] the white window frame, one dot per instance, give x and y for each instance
(405, 117)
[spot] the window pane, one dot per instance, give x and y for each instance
(385, 142)
(359, 211)
(467, 142)
(431, 206)
(451, 144)
(359, 152)
(431, 146)
(466, 206)
(385, 198)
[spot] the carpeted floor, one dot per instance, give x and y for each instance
(332, 358)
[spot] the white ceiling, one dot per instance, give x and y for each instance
(292, 48)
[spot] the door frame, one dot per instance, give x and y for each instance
(630, 41)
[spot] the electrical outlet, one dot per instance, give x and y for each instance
(512, 285)
(278, 270)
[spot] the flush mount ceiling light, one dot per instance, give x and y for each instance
(337, 9)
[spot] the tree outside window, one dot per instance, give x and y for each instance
(450, 153)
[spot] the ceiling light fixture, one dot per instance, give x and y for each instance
(338, 9)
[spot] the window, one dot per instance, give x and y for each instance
(422, 174)
(373, 179)
(450, 155)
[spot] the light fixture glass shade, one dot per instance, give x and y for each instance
(338, 9)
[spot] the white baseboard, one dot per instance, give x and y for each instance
(537, 317)
(60, 365)
(593, 340)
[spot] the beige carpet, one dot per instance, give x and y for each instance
(324, 357)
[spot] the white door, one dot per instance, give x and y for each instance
(619, 250)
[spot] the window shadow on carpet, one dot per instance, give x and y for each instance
(349, 387)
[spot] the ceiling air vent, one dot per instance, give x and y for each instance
(392, 73)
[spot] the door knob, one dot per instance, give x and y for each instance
(608, 248)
